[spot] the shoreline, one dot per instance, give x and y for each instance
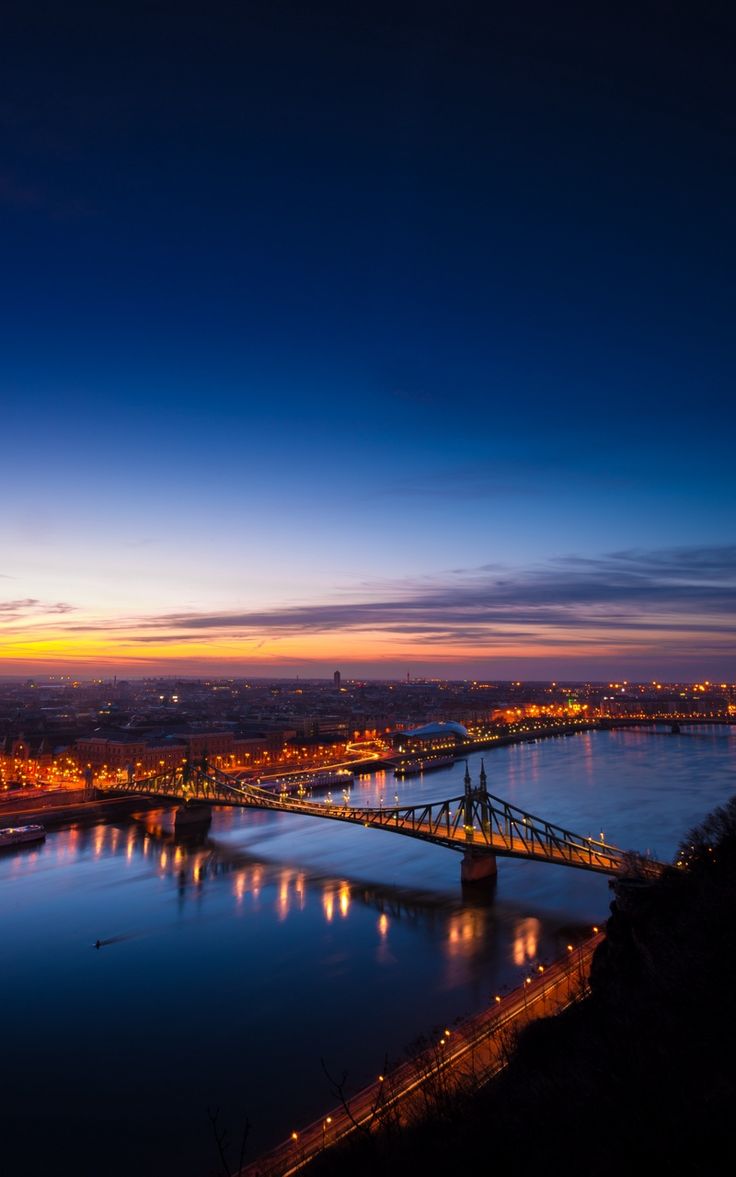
(570, 729)
(78, 808)
(57, 816)
(472, 1052)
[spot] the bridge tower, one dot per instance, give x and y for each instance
(479, 863)
(483, 801)
(193, 819)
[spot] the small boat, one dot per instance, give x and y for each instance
(422, 764)
(340, 778)
(20, 835)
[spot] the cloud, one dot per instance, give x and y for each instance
(632, 592)
(31, 608)
(637, 606)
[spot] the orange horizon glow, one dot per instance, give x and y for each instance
(128, 649)
(625, 615)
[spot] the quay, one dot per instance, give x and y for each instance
(472, 1053)
(59, 808)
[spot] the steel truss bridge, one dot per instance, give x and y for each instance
(479, 825)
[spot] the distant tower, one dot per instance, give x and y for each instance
(337, 679)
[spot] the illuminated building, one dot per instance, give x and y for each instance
(434, 736)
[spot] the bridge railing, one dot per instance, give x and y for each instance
(474, 819)
(482, 819)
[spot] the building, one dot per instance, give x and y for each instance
(115, 752)
(337, 679)
(432, 737)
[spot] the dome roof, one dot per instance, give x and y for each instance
(440, 729)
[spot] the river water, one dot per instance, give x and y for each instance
(230, 969)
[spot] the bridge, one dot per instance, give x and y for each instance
(479, 825)
(674, 722)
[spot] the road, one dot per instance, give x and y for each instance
(473, 1052)
(447, 830)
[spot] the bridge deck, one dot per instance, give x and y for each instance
(481, 836)
(476, 822)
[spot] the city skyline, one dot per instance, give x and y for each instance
(398, 344)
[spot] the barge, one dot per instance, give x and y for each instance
(415, 767)
(21, 835)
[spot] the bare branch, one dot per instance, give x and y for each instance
(221, 1140)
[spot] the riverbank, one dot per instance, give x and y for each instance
(526, 737)
(458, 1062)
(531, 737)
(77, 808)
(639, 1073)
(72, 805)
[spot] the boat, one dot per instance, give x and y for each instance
(20, 835)
(299, 782)
(422, 764)
(341, 778)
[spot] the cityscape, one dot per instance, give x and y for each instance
(368, 588)
(59, 731)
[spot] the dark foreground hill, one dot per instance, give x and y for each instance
(640, 1076)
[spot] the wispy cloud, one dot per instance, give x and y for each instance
(645, 607)
(662, 592)
(30, 607)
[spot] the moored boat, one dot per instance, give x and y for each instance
(422, 764)
(20, 835)
(340, 778)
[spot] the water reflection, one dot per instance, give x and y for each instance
(198, 862)
(464, 931)
(525, 947)
(283, 900)
(301, 938)
(328, 904)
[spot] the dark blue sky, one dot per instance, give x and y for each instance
(349, 301)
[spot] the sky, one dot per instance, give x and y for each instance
(390, 337)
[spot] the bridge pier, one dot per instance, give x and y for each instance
(477, 866)
(192, 818)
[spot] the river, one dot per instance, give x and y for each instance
(229, 970)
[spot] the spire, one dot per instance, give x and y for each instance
(483, 777)
(468, 782)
